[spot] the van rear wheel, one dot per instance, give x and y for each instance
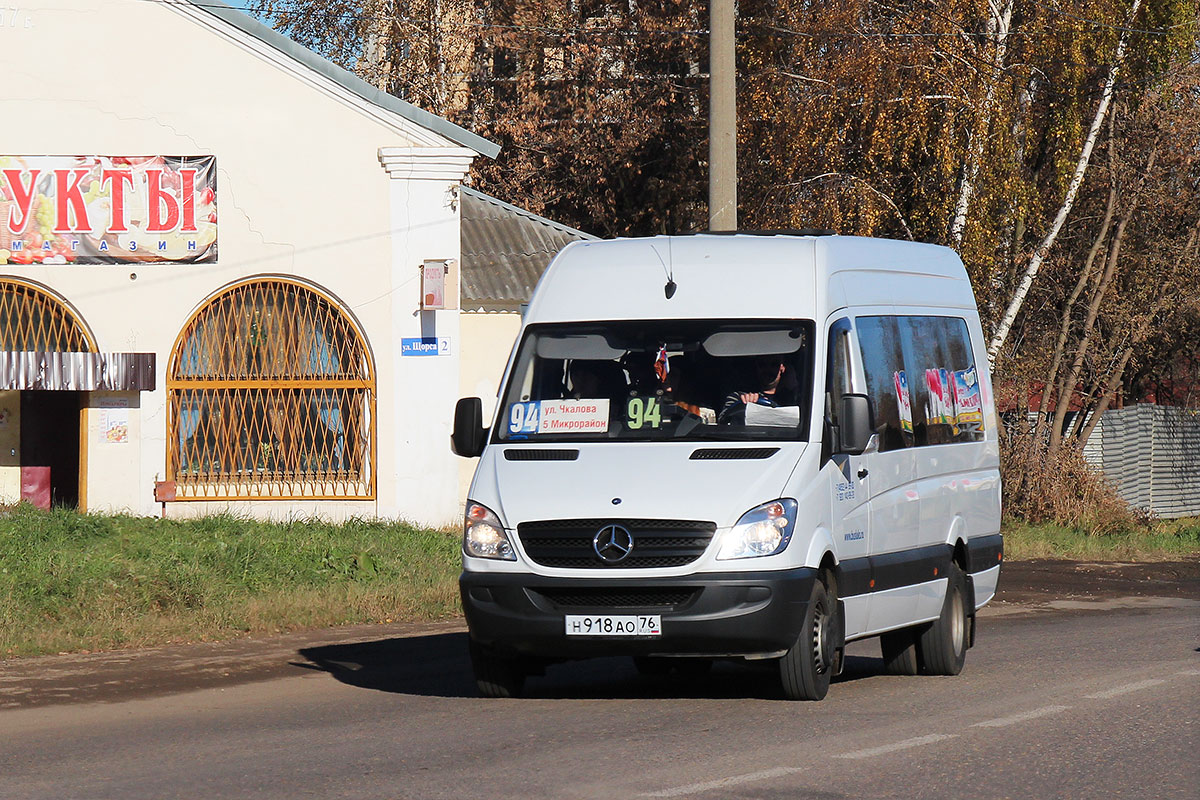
(495, 676)
(806, 668)
(942, 645)
(899, 651)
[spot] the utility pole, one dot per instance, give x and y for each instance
(722, 118)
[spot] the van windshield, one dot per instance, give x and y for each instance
(656, 380)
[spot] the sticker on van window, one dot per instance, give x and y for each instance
(558, 416)
(941, 402)
(643, 412)
(966, 397)
(903, 401)
(574, 416)
(523, 417)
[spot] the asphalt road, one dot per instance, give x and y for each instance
(1093, 694)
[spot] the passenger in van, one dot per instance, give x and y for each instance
(770, 374)
(596, 379)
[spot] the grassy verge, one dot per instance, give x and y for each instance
(76, 582)
(1162, 541)
(71, 582)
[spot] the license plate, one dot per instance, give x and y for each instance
(614, 625)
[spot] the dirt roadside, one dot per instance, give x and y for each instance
(1026, 587)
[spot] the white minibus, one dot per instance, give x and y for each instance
(748, 446)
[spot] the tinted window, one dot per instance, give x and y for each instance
(887, 381)
(942, 380)
(837, 372)
(660, 379)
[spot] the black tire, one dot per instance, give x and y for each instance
(805, 669)
(495, 676)
(942, 646)
(899, 651)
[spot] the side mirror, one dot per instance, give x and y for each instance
(469, 435)
(856, 427)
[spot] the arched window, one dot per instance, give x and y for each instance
(32, 320)
(271, 393)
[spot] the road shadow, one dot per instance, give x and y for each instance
(438, 666)
(435, 665)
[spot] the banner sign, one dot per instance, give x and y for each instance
(108, 209)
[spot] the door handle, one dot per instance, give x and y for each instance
(862, 473)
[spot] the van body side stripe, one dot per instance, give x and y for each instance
(893, 570)
(984, 552)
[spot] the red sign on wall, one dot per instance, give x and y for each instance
(108, 209)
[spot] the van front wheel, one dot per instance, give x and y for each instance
(805, 670)
(942, 646)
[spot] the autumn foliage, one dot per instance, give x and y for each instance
(1051, 143)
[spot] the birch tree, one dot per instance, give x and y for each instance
(997, 31)
(1064, 210)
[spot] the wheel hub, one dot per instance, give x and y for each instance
(820, 639)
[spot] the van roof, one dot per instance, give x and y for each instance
(740, 275)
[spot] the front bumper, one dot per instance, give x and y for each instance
(708, 614)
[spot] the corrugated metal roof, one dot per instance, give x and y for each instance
(348, 80)
(505, 250)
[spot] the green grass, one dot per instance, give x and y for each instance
(1162, 541)
(71, 582)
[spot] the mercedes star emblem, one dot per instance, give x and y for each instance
(613, 544)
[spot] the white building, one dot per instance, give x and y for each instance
(212, 250)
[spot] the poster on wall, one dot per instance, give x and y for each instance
(114, 425)
(113, 428)
(108, 209)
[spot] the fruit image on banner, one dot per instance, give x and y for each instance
(108, 209)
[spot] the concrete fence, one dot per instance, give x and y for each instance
(1152, 454)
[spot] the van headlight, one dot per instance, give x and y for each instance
(484, 536)
(762, 531)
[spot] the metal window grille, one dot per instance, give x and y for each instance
(32, 320)
(271, 394)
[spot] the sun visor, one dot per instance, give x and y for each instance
(779, 341)
(590, 346)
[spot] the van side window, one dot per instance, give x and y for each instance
(942, 380)
(887, 381)
(837, 376)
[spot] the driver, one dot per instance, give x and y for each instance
(769, 371)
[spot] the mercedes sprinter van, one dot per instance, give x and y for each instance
(741, 446)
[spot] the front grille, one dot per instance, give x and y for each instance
(645, 597)
(656, 542)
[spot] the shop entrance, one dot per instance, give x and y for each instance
(50, 438)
